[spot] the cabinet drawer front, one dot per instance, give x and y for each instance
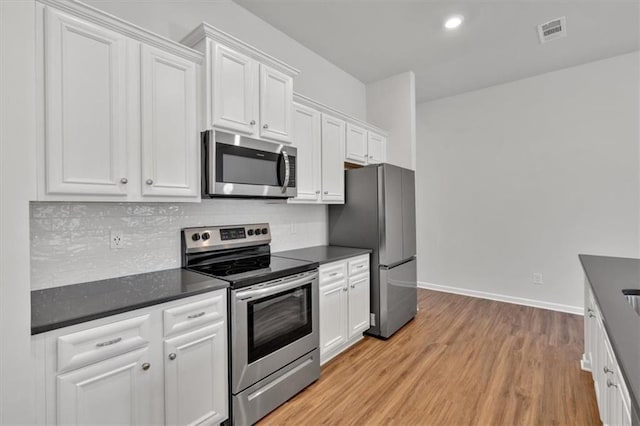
(358, 265)
(190, 315)
(332, 272)
(99, 343)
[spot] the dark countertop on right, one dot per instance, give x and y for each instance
(323, 254)
(608, 276)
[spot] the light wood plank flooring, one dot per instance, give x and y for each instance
(461, 361)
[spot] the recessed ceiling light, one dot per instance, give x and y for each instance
(453, 22)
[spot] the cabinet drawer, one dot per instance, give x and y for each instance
(99, 343)
(195, 314)
(358, 265)
(333, 272)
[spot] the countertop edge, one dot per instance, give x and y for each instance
(355, 251)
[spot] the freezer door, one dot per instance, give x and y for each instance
(408, 213)
(390, 214)
(398, 296)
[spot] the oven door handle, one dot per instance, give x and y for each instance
(287, 172)
(274, 289)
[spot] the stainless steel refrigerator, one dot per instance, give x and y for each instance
(380, 214)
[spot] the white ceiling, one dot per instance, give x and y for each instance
(497, 43)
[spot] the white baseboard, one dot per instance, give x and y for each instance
(577, 310)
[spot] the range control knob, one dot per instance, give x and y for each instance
(257, 231)
(265, 231)
(195, 237)
(206, 236)
(250, 232)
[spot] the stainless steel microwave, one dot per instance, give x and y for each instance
(239, 166)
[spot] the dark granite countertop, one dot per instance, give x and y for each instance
(323, 254)
(608, 276)
(59, 307)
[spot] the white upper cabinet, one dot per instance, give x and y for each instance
(85, 110)
(333, 137)
(276, 102)
(306, 133)
(356, 144)
(169, 163)
(248, 91)
(234, 91)
(376, 148)
(119, 109)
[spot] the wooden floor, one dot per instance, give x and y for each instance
(461, 361)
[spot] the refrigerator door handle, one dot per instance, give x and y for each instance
(402, 262)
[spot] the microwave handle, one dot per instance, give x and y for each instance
(287, 172)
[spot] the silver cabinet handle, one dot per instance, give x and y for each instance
(124, 181)
(149, 182)
(108, 342)
(266, 126)
(146, 366)
(198, 315)
(252, 122)
(353, 286)
(591, 315)
(333, 274)
(606, 370)
(326, 192)
(345, 289)
(610, 384)
(172, 356)
(317, 192)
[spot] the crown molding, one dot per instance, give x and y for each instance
(206, 31)
(96, 16)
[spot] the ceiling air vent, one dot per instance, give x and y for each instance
(554, 29)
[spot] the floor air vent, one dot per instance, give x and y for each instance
(552, 30)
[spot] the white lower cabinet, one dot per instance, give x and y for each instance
(132, 369)
(195, 376)
(344, 304)
(613, 398)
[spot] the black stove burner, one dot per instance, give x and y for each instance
(236, 266)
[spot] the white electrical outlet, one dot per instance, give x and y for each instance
(537, 278)
(116, 239)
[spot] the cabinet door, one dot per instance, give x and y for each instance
(196, 376)
(377, 147)
(85, 111)
(235, 91)
(112, 392)
(333, 135)
(306, 133)
(358, 305)
(356, 144)
(170, 144)
(276, 101)
(333, 316)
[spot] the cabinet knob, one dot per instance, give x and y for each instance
(149, 182)
(610, 384)
(266, 126)
(252, 122)
(353, 286)
(146, 366)
(124, 181)
(317, 192)
(606, 370)
(591, 315)
(326, 192)
(172, 356)
(345, 289)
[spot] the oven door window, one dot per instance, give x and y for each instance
(278, 320)
(248, 166)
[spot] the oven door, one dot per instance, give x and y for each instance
(243, 167)
(272, 325)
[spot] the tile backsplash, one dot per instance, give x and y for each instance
(70, 241)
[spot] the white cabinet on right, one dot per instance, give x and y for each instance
(364, 146)
(344, 304)
(376, 145)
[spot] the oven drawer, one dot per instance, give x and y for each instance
(333, 272)
(86, 347)
(358, 265)
(195, 314)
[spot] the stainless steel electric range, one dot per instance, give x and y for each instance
(273, 323)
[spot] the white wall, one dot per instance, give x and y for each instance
(391, 105)
(70, 241)
(17, 139)
(319, 79)
(520, 178)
